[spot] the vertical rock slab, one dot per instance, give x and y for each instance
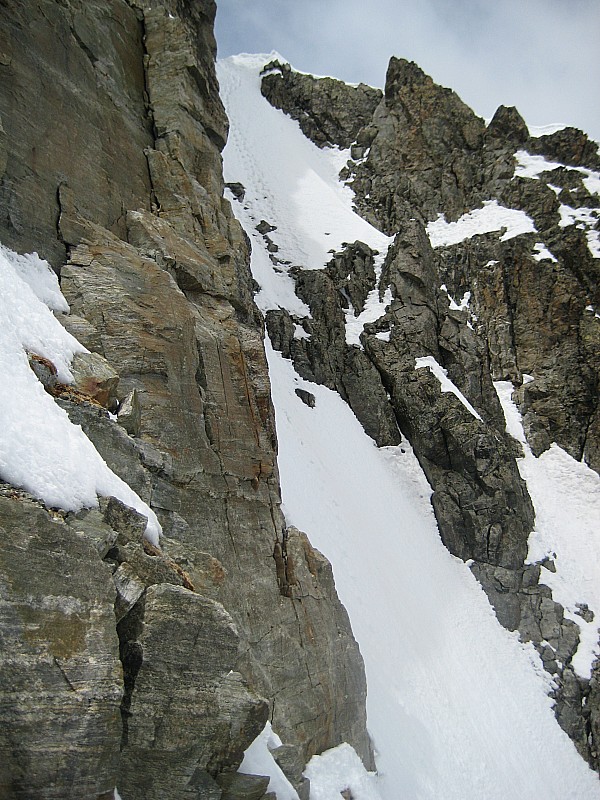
(189, 714)
(308, 581)
(73, 112)
(60, 673)
(173, 312)
(124, 175)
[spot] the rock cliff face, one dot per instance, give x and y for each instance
(124, 665)
(530, 320)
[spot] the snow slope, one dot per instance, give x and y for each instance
(294, 186)
(492, 217)
(457, 706)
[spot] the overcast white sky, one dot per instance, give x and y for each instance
(542, 56)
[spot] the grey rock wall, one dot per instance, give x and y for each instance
(60, 672)
(63, 62)
(117, 180)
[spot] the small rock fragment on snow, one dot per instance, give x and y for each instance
(307, 397)
(44, 370)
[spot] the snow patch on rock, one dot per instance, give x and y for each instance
(492, 217)
(41, 450)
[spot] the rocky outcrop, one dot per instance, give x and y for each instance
(431, 155)
(523, 604)
(533, 318)
(323, 355)
(481, 503)
(236, 618)
(506, 128)
(328, 111)
(428, 154)
(569, 146)
(425, 152)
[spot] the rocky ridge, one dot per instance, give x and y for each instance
(529, 319)
(328, 111)
(164, 663)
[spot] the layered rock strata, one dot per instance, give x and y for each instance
(235, 620)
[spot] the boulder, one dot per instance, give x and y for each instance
(94, 377)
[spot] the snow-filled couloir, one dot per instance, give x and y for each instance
(457, 706)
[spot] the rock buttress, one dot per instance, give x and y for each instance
(127, 183)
